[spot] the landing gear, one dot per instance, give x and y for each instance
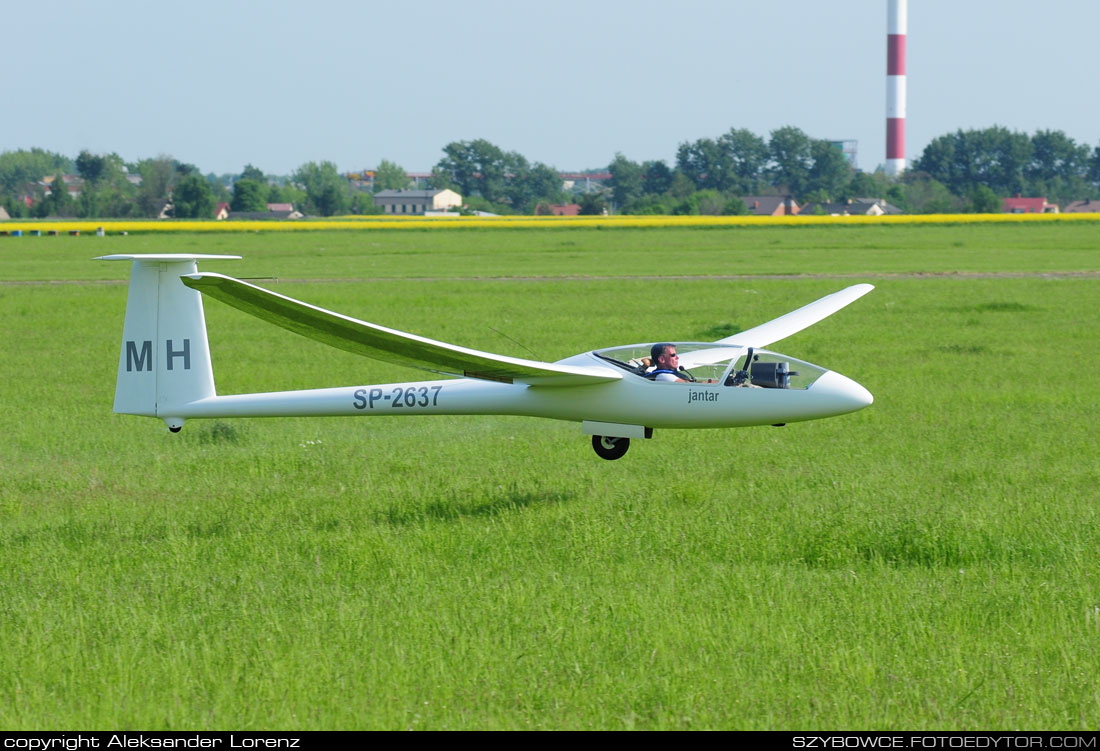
(609, 447)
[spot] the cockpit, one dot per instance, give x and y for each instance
(733, 366)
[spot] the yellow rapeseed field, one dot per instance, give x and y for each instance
(380, 222)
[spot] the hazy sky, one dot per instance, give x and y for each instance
(568, 83)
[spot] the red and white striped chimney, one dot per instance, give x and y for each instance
(896, 23)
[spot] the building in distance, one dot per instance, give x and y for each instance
(771, 205)
(416, 202)
(852, 207)
(1021, 205)
(1088, 206)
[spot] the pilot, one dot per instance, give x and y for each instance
(666, 362)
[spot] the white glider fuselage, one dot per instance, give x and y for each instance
(633, 400)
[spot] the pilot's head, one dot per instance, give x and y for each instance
(663, 356)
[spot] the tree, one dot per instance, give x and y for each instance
(252, 173)
(60, 202)
(22, 168)
(528, 184)
(156, 181)
(710, 202)
(650, 204)
(288, 194)
(984, 201)
(706, 163)
(747, 156)
(1054, 154)
(193, 198)
(656, 177)
(474, 167)
(326, 189)
(1059, 168)
(16, 209)
(90, 166)
(106, 191)
(862, 185)
(829, 170)
(217, 188)
(249, 195)
(390, 176)
(994, 157)
(681, 186)
(1094, 168)
(735, 206)
(926, 195)
(592, 204)
(789, 149)
(626, 180)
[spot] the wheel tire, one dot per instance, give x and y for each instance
(609, 447)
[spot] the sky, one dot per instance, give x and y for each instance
(569, 83)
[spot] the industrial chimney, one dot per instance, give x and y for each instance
(896, 22)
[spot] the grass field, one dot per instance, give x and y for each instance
(932, 562)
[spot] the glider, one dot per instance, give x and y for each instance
(164, 368)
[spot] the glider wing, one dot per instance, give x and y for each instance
(795, 321)
(387, 344)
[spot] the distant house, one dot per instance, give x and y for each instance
(262, 216)
(1021, 205)
(280, 207)
(771, 205)
(410, 202)
(1088, 206)
(558, 209)
(584, 182)
(222, 211)
(4, 214)
(73, 183)
(852, 207)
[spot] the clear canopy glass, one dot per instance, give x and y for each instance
(722, 364)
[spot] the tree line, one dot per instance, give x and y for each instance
(965, 171)
(968, 170)
(113, 188)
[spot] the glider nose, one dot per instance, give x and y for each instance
(842, 393)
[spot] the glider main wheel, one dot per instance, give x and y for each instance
(609, 447)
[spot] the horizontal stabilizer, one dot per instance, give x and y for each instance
(166, 257)
(387, 344)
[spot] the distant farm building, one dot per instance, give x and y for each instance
(1021, 205)
(771, 205)
(73, 183)
(852, 207)
(583, 182)
(263, 216)
(1089, 206)
(410, 202)
(558, 209)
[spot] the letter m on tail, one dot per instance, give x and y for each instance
(136, 360)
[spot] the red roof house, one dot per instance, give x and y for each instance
(1020, 205)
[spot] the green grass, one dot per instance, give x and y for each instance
(928, 563)
(362, 254)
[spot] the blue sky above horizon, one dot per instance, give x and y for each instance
(222, 84)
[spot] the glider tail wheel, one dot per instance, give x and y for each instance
(609, 447)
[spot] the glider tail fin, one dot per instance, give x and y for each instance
(164, 362)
